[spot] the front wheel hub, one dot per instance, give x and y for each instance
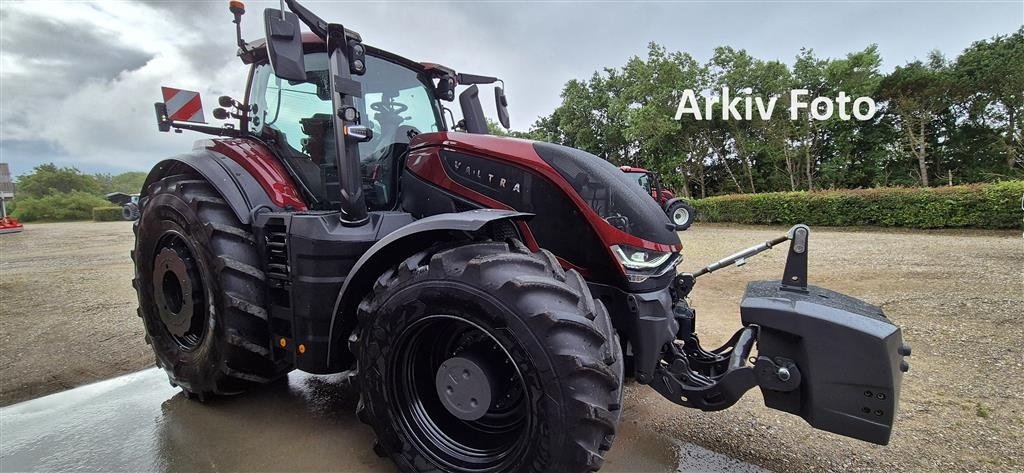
(680, 216)
(464, 386)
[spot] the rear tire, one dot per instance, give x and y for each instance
(200, 290)
(552, 356)
(681, 214)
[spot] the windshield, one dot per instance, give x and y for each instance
(641, 178)
(397, 103)
(395, 98)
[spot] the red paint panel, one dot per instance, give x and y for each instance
(426, 163)
(256, 159)
(519, 153)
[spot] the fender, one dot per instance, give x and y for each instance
(391, 250)
(672, 201)
(245, 173)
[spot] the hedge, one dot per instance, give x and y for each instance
(996, 205)
(107, 214)
(74, 205)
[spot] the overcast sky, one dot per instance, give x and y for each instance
(78, 79)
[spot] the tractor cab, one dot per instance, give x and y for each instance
(294, 117)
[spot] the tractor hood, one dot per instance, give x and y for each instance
(622, 212)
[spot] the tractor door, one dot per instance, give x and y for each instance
(295, 119)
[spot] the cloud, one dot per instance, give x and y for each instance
(40, 66)
(80, 86)
(78, 80)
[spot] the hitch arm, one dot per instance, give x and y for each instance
(740, 256)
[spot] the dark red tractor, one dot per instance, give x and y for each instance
(679, 211)
(487, 296)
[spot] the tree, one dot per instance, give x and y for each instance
(935, 121)
(127, 182)
(650, 98)
(989, 76)
(918, 94)
(47, 179)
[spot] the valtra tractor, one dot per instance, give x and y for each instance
(487, 296)
(680, 212)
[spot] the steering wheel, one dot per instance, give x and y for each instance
(389, 107)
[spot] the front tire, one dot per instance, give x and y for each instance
(200, 290)
(681, 214)
(488, 357)
(130, 212)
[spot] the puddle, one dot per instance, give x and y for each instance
(138, 422)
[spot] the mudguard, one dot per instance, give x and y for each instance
(244, 172)
(671, 201)
(832, 359)
(391, 250)
(235, 185)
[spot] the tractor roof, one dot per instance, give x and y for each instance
(312, 43)
(631, 169)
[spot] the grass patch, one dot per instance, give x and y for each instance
(982, 410)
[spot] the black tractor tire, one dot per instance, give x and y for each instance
(130, 212)
(201, 290)
(560, 343)
(681, 214)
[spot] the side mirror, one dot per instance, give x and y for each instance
(284, 44)
(502, 103)
(472, 112)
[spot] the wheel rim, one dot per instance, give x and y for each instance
(680, 216)
(178, 292)
(484, 439)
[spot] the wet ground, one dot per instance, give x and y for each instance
(67, 317)
(138, 422)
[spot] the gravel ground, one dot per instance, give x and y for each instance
(67, 317)
(67, 308)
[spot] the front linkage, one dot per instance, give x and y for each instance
(834, 360)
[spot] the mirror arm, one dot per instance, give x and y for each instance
(470, 79)
(316, 24)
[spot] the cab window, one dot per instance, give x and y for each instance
(397, 104)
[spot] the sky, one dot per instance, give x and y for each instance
(78, 79)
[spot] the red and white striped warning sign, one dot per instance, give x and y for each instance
(183, 105)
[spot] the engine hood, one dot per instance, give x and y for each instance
(595, 184)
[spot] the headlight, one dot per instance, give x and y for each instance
(638, 258)
(641, 264)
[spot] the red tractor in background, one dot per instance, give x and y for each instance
(680, 212)
(7, 224)
(488, 296)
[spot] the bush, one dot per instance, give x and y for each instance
(107, 214)
(996, 205)
(74, 205)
